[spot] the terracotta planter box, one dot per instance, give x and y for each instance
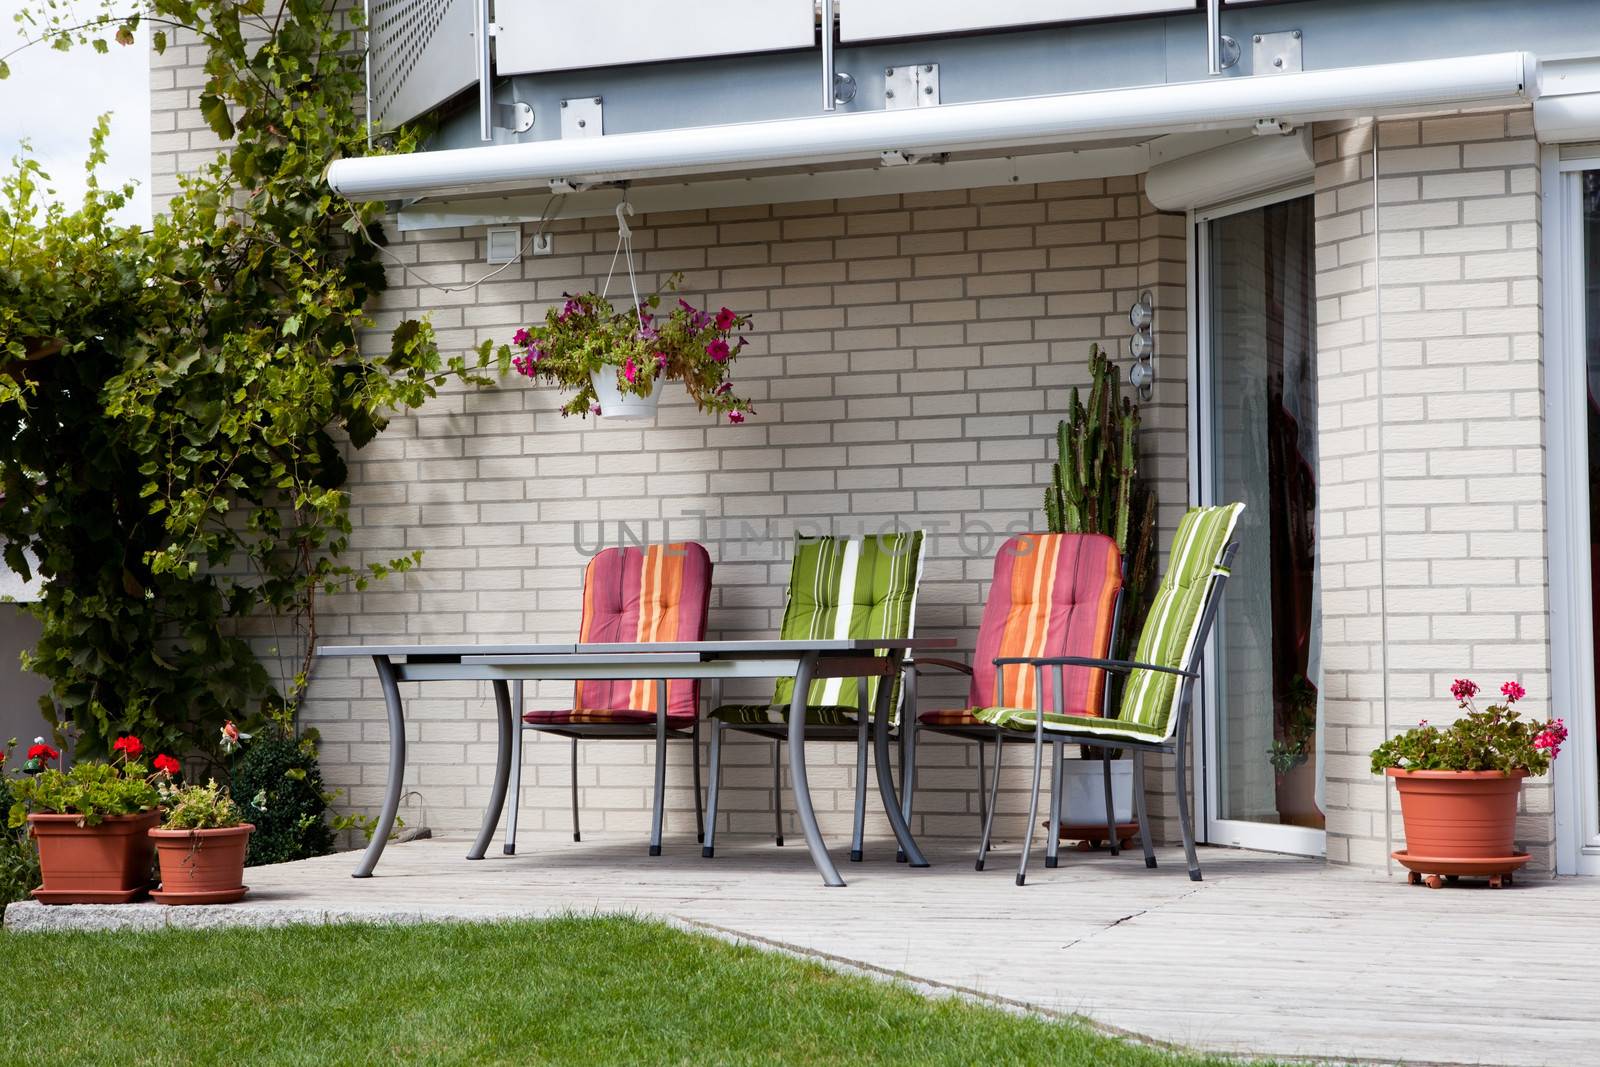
(201, 866)
(104, 864)
(1459, 822)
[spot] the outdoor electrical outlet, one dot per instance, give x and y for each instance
(544, 244)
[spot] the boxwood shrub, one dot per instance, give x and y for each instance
(279, 788)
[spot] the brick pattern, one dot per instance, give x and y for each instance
(1432, 458)
(909, 358)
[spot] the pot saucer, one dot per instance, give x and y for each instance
(87, 896)
(215, 896)
(1458, 865)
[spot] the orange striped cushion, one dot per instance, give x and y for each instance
(650, 593)
(1053, 595)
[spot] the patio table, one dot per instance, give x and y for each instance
(502, 665)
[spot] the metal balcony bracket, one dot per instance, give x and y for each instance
(914, 85)
(1276, 53)
(582, 116)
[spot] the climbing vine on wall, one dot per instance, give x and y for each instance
(177, 403)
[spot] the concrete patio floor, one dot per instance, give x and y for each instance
(1270, 955)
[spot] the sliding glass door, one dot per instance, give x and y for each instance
(1586, 734)
(1258, 445)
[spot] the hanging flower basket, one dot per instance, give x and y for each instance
(615, 361)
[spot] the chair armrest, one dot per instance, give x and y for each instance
(948, 664)
(1118, 666)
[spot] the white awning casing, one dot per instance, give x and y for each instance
(989, 126)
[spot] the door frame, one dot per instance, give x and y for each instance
(1213, 829)
(1572, 663)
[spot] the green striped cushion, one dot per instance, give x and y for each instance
(1021, 718)
(842, 588)
(1150, 698)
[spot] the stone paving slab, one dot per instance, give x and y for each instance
(1270, 955)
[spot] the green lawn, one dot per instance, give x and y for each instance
(583, 991)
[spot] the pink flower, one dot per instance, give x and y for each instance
(726, 319)
(661, 361)
(629, 371)
(736, 417)
(595, 408)
(1513, 692)
(685, 305)
(718, 350)
(522, 337)
(722, 389)
(1463, 689)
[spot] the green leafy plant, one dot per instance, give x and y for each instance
(91, 790)
(177, 405)
(198, 807)
(1096, 485)
(1495, 738)
(19, 857)
(1293, 749)
(280, 792)
(588, 336)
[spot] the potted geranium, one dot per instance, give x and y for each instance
(1459, 785)
(201, 846)
(91, 823)
(615, 359)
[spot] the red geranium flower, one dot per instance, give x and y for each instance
(129, 746)
(166, 764)
(43, 751)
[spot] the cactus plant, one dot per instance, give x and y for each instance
(1095, 485)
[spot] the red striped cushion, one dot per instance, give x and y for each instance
(654, 593)
(629, 715)
(1053, 595)
(950, 717)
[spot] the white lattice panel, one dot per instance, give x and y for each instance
(422, 55)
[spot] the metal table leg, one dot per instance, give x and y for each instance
(502, 770)
(880, 753)
(397, 768)
(797, 773)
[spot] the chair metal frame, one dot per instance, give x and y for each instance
(1176, 743)
(983, 734)
(778, 733)
(661, 731)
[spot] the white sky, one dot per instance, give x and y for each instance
(52, 99)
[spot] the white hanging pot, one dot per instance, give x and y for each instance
(615, 404)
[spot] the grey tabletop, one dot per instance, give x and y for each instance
(755, 647)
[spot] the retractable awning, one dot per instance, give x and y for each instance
(989, 126)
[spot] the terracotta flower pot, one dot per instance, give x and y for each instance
(201, 866)
(108, 863)
(1459, 822)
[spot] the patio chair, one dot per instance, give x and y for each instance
(650, 593)
(1157, 684)
(838, 588)
(1052, 595)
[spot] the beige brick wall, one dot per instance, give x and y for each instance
(1433, 550)
(909, 359)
